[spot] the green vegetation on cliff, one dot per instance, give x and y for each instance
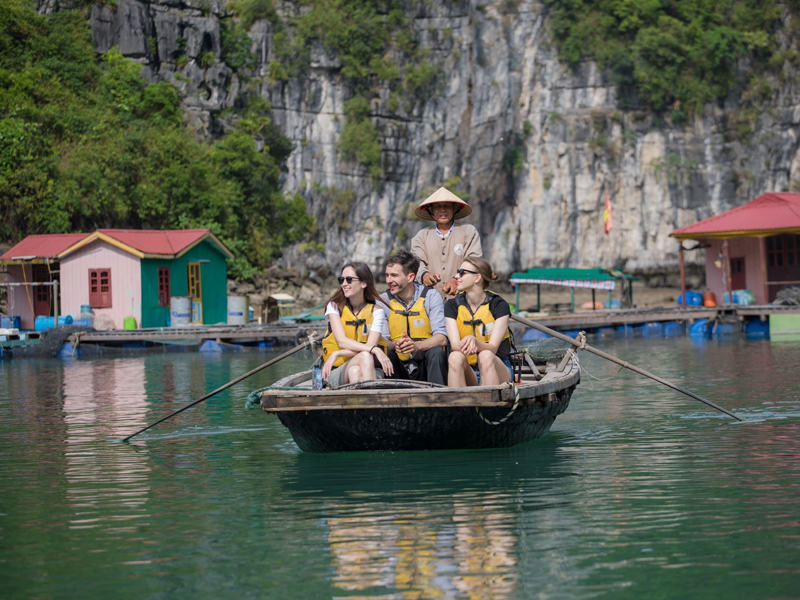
(87, 143)
(677, 54)
(374, 46)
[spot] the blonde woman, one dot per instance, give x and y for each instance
(353, 346)
(477, 327)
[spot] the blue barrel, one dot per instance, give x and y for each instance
(9, 322)
(43, 323)
(756, 328)
(83, 322)
(692, 299)
(653, 329)
(725, 329)
(673, 329)
(531, 335)
(86, 308)
(624, 330)
(700, 328)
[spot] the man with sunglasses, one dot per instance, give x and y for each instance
(415, 329)
(442, 248)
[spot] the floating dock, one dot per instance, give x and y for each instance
(209, 338)
(697, 321)
(753, 321)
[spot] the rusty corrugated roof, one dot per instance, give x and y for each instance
(770, 213)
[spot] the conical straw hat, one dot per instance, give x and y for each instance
(443, 195)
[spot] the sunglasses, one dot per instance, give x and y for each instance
(460, 272)
(347, 279)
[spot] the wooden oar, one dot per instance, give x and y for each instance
(618, 361)
(226, 386)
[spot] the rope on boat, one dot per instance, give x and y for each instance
(254, 397)
(508, 415)
(614, 376)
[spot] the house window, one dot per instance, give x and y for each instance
(100, 288)
(783, 250)
(163, 286)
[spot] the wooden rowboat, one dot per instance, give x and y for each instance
(406, 415)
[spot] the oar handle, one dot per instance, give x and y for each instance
(226, 386)
(614, 359)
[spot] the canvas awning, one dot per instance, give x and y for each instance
(596, 279)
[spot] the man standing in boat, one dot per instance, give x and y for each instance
(442, 248)
(415, 327)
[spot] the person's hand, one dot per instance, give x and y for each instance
(405, 344)
(468, 345)
(386, 364)
(431, 279)
(328, 367)
(450, 287)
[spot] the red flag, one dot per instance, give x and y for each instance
(607, 222)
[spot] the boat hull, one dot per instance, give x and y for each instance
(388, 415)
(436, 428)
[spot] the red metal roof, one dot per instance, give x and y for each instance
(151, 241)
(48, 245)
(771, 212)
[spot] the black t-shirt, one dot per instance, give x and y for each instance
(497, 306)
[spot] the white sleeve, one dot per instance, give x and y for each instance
(379, 322)
(331, 309)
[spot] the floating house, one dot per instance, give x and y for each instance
(32, 274)
(124, 273)
(753, 247)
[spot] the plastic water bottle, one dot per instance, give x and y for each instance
(316, 375)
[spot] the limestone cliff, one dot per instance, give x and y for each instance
(535, 144)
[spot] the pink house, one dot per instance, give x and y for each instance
(35, 261)
(754, 247)
(119, 273)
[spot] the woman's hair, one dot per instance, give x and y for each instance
(484, 268)
(364, 274)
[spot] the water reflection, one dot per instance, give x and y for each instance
(636, 492)
(431, 525)
(104, 400)
(468, 548)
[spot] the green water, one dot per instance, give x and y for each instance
(637, 492)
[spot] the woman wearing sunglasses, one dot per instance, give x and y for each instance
(477, 327)
(353, 346)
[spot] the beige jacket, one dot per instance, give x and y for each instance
(444, 256)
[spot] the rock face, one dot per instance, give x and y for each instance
(536, 145)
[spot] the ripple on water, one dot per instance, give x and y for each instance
(638, 491)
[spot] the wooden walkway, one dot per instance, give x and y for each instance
(288, 333)
(281, 333)
(594, 319)
(294, 333)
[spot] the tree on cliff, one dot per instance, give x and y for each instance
(680, 54)
(87, 143)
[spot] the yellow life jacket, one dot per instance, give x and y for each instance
(355, 327)
(480, 323)
(414, 320)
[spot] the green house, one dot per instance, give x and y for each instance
(137, 273)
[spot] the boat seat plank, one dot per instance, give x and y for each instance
(406, 399)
